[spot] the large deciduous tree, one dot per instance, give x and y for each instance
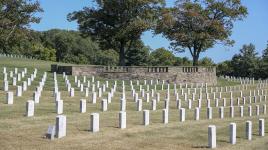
(15, 19)
(197, 25)
(117, 23)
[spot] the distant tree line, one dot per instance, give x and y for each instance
(71, 47)
(246, 63)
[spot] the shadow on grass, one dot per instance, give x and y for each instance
(223, 141)
(200, 146)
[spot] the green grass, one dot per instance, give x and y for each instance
(20, 132)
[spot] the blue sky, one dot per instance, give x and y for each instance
(253, 29)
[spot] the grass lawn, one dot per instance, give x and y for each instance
(20, 132)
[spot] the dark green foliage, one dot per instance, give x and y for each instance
(115, 24)
(43, 53)
(206, 62)
(263, 65)
(70, 46)
(225, 68)
(108, 57)
(15, 18)
(245, 64)
(138, 54)
(162, 57)
(184, 61)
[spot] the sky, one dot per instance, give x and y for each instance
(253, 29)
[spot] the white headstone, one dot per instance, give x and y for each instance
(182, 114)
(72, 92)
(86, 92)
(30, 108)
(261, 127)
(189, 104)
(153, 104)
(94, 97)
(9, 98)
(100, 92)
(221, 112)
(166, 102)
(83, 106)
(264, 109)
(209, 113)
(249, 130)
(5, 86)
(36, 97)
(14, 81)
(257, 110)
(59, 106)
(104, 105)
(94, 122)
(178, 103)
(232, 133)
(60, 126)
(196, 113)
(232, 112)
(241, 111)
(146, 117)
(249, 111)
(139, 105)
(165, 116)
(122, 105)
(122, 119)
(212, 136)
(57, 96)
(157, 97)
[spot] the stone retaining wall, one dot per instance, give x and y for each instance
(170, 74)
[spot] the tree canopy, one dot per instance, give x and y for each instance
(162, 57)
(117, 23)
(70, 46)
(138, 54)
(198, 25)
(15, 18)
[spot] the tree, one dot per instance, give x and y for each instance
(206, 61)
(265, 54)
(225, 69)
(114, 23)
(184, 61)
(138, 54)
(107, 57)
(198, 25)
(245, 64)
(162, 57)
(15, 18)
(70, 46)
(43, 53)
(264, 63)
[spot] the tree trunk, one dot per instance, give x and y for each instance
(58, 56)
(122, 61)
(195, 60)
(4, 49)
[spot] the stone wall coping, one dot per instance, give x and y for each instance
(99, 66)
